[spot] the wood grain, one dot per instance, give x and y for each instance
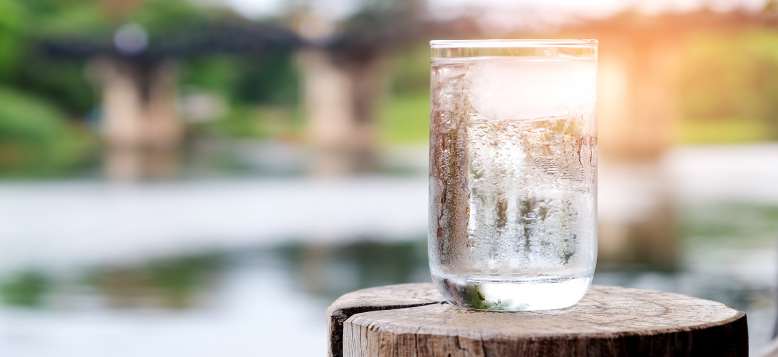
(375, 299)
(413, 320)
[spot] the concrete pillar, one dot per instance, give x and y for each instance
(638, 112)
(638, 108)
(637, 218)
(340, 97)
(140, 124)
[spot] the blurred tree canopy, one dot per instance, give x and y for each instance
(65, 84)
(12, 20)
(47, 101)
(89, 17)
(727, 84)
(730, 77)
(34, 136)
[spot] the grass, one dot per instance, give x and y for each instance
(727, 131)
(405, 119)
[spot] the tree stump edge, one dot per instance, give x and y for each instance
(361, 301)
(725, 334)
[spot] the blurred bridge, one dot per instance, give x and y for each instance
(342, 76)
(138, 82)
(342, 83)
(639, 113)
(639, 64)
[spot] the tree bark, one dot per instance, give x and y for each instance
(413, 320)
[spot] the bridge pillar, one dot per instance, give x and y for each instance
(340, 99)
(140, 124)
(638, 114)
(638, 108)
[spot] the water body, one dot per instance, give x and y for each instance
(216, 266)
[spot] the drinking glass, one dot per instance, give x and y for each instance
(513, 172)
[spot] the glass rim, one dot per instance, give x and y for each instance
(511, 43)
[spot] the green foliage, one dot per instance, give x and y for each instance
(266, 80)
(66, 18)
(26, 289)
(270, 80)
(59, 83)
(34, 136)
(245, 121)
(171, 282)
(217, 73)
(239, 123)
(732, 75)
(410, 71)
(703, 222)
(476, 297)
(179, 279)
(405, 119)
(26, 119)
(720, 131)
(12, 19)
(89, 18)
(251, 85)
(727, 90)
(162, 16)
(325, 270)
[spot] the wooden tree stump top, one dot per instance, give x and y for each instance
(414, 320)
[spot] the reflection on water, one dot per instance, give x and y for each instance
(727, 253)
(126, 271)
(25, 289)
(331, 271)
(186, 282)
(277, 295)
(174, 282)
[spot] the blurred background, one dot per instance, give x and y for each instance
(204, 177)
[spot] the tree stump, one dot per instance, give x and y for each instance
(414, 320)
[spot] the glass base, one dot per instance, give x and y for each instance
(512, 294)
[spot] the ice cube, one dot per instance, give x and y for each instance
(521, 88)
